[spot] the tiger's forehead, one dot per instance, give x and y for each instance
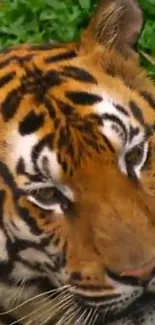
(72, 105)
(74, 82)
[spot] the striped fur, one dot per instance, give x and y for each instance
(77, 170)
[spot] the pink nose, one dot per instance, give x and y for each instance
(144, 273)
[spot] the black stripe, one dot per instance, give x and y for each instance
(94, 118)
(2, 200)
(16, 58)
(4, 63)
(29, 220)
(65, 108)
(50, 108)
(121, 110)
(50, 79)
(83, 97)
(9, 180)
(78, 74)
(10, 104)
(37, 82)
(113, 118)
(108, 143)
(31, 123)
(149, 98)
(57, 123)
(62, 161)
(34, 266)
(133, 132)
(6, 267)
(20, 167)
(60, 57)
(137, 112)
(7, 78)
(43, 284)
(64, 138)
(47, 141)
(22, 244)
(20, 170)
(26, 58)
(22, 212)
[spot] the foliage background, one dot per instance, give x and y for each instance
(38, 21)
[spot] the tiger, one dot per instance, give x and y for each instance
(77, 177)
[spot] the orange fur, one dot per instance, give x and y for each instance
(112, 222)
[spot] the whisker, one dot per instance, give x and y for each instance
(60, 304)
(45, 320)
(41, 307)
(33, 298)
(94, 317)
(104, 315)
(86, 319)
(91, 316)
(65, 317)
(75, 313)
(81, 316)
(15, 294)
(20, 291)
(69, 317)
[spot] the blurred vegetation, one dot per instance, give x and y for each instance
(39, 21)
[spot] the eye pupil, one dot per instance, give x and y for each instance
(134, 156)
(49, 196)
(46, 195)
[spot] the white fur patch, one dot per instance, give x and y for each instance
(107, 107)
(34, 256)
(53, 165)
(67, 192)
(22, 147)
(3, 250)
(22, 271)
(53, 207)
(20, 229)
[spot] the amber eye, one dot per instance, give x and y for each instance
(135, 156)
(47, 197)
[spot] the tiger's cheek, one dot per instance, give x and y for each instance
(47, 221)
(147, 179)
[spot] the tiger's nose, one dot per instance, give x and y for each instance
(141, 274)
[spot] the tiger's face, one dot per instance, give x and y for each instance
(77, 171)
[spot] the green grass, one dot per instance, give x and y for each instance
(38, 21)
(147, 39)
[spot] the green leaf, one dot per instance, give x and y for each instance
(39, 21)
(85, 4)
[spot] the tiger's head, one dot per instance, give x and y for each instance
(77, 166)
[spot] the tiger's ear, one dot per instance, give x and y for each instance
(117, 24)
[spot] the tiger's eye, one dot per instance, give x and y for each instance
(50, 195)
(134, 156)
(46, 195)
